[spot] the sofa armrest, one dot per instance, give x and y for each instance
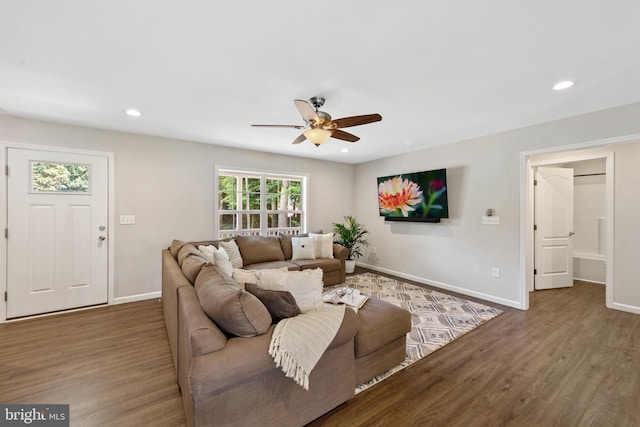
(197, 334)
(340, 251)
(204, 336)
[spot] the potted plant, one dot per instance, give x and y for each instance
(352, 236)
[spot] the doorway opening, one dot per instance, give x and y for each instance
(596, 241)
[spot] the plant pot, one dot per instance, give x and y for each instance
(350, 265)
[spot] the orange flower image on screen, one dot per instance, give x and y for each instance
(397, 194)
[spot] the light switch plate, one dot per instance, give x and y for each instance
(491, 220)
(127, 219)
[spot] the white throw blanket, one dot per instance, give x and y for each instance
(299, 342)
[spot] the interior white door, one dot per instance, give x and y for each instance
(554, 228)
(57, 249)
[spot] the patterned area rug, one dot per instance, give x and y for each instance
(436, 318)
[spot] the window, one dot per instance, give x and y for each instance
(257, 203)
(49, 177)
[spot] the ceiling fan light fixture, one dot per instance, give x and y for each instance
(317, 136)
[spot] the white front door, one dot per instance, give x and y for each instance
(553, 228)
(57, 251)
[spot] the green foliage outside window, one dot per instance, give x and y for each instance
(239, 192)
(60, 178)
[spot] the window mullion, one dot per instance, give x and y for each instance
(263, 205)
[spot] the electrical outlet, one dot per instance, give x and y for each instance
(491, 220)
(495, 272)
(127, 219)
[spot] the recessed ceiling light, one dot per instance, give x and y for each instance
(345, 150)
(133, 113)
(563, 85)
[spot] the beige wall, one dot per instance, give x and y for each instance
(484, 173)
(169, 186)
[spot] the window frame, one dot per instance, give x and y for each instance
(264, 212)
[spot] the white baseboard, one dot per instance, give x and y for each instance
(589, 281)
(464, 291)
(139, 297)
(627, 308)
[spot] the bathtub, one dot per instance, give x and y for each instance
(589, 267)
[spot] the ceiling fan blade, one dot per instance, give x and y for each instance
(279, 126)
(346, 122)
(345, 136)
(306, 111)
(299, 139)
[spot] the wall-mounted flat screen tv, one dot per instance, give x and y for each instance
(417, 196)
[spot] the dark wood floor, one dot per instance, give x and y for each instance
(568, 361)
(112, 365)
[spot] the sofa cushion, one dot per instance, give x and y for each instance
(380, 324)
(234, 310)
(187, 250)
(323, 245)
(242, 276)
(192, 266)
(175, 247)
(222, 261)
(272, 265)
(305, 286)
(234, 253)
(208, 252)
(285, 243)
(281, 304)
(255, 249)
(327, 264)
(303, 248)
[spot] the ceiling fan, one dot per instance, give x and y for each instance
(319, 125)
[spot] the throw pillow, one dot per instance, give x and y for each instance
(323, 245)
(303, 248)
(175, 247)
(222, 261)
(249, 276)
(208, 252)
(235, 311)
(281, 304)
(191, 267)
(305, 286)
(186, 251)
(256, 249)
(234, 253)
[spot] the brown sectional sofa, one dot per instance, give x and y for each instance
(260, 252)
(227, 380)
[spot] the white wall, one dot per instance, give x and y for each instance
(169, 186)
(484, 173)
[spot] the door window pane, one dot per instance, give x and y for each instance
(59, 178)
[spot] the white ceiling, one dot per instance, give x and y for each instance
(204, 71)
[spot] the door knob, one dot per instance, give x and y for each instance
(102, 238)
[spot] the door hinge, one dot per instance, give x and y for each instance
(5, 295)
(6, 170)
(535, 227)
(535, 271)
(6, 233)
(535, 182)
